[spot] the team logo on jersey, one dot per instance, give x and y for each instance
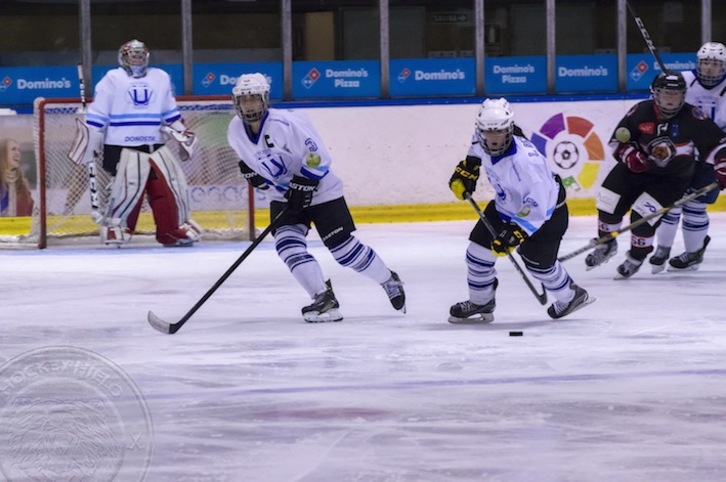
(572, 148)
(139, 95)
(7, 82)
(312, 76)
(275, 167)
(661, 151)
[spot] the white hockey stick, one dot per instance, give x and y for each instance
(92, 186)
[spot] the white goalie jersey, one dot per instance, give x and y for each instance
(286, 145)
(526, 190)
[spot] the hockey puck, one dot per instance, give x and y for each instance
(516, 333)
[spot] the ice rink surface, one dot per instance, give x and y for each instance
(631, 388)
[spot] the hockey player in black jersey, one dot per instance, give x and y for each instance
(655, 146)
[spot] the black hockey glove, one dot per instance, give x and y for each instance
(509, 238)
(465, 176)
(299, 194)
(252, 177)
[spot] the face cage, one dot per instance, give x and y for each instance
(137, 55)
(255, 115)
(480, 134)
(710, 80)
(668, 112)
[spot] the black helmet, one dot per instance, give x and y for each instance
(671, 82)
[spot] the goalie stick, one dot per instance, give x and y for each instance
(171, 328)
(542, 298)
(614, 234)
(91, 166)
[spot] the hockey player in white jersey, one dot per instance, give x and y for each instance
(707, 90)
(528, 211)
(281, 152)
(133, 106)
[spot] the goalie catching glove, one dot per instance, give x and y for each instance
(299, 194)
(508, 238)
(465, 177)
(252, 177)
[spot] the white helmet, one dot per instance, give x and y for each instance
(495, 115)
(251, 85)
(133, 57)
(711, 73)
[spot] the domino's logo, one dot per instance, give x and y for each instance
(405, 74)
(208, 79)
(7, 82)
(637, 73)
(311, 78)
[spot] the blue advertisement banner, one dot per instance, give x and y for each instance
(642, 68)
(218, 79)
(409, 77)
(586, 73)
(516, 75)
(21, 85)
(335, 80)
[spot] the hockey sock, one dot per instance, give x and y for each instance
(480, 274)
(556, 281)
(695, 225)
(353, 254)
(292, 248)
(666, 233)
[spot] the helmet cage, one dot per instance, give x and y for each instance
(668, 82)
(495, 116)
(251, 87)
(711, 63)
(133, 57)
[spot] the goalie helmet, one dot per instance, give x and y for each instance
(251, 97)
(494, 126)
(711, 63)
(133, 57)
(669, 93)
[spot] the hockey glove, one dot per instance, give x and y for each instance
(465, 176)
(299, 194)
(633, 157)
(252, 177)
(509, 238)
(719, 166)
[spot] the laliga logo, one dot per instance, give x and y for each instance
(7, 82)
(405, 74)
(208, 79)
(575, 148)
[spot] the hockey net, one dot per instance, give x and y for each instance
(219, 198)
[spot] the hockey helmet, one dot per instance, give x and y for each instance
(133, 57)
(669, 93)
(711, 63)
(494, 126)
(251, 96)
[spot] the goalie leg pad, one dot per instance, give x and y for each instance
(128, 186)
(165, 209)
(168, 167)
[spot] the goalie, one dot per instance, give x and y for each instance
(132, 114)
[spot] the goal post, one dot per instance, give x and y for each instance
(220, 199)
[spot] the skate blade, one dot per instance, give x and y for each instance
(480, 319)
(673, 269)
(329, 316)
(590, 300)
(655, 269)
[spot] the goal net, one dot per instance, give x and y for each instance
(220, 200)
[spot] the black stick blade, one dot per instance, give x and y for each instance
(159, 324)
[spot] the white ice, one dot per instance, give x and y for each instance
(631, 388)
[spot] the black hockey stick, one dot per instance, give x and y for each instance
(542, 298)
(614, 234)
(171, 328)
(646, 37)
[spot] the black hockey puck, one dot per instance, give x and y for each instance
(516, 333)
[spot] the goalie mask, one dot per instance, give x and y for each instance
(133, 57)
(494, 126)
(251, 97)
(711, 63)
(669, 93)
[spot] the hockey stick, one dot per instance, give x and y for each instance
(91, 166)
(542, 298)
(614, 234)
(646, 37)
(171, 328)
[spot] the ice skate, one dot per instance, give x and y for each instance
(394, 290)
(467, 312)
(560, 309)
(324, 307)
(601, 254)
(689, 261)
(629, 267)
(658, 260)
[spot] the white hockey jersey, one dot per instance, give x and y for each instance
(286, 145)
(526, 190)
(712, 101)
(132, 110)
